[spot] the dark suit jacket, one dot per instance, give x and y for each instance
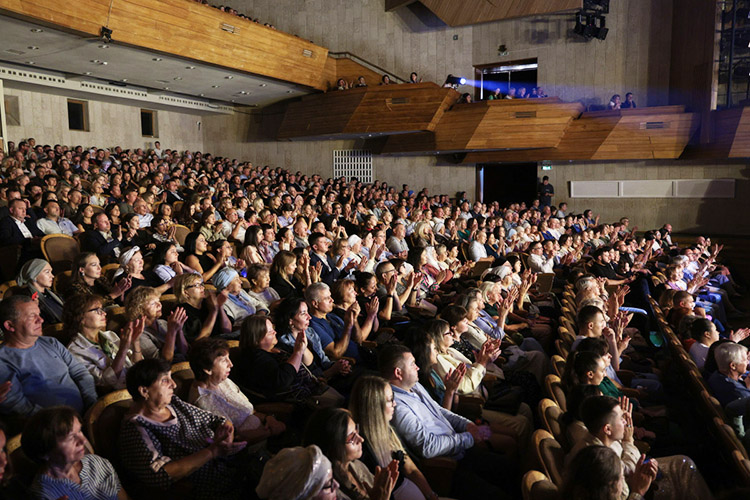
(93, 241)
(328, 274)
(171, 198)
(10, 234)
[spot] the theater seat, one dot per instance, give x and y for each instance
(183, 376)
(60, 250)
(550, 455)
(103, 422)
(537, 486)
(550, 414)
(554, 390)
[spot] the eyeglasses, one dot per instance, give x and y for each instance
(98, 310)
(201, 285)
(330, 485)
(354, 437)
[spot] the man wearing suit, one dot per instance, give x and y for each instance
(319, 246)
(14, 193)
(100, 240)
(16, 231)
(173, 194)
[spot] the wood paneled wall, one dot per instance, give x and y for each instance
(481, 11)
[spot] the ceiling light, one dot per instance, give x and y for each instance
(104, 63)
(189, 67)
(157, 59)
(30, 62)
(229, 77)
(87, 72)
(124, 80)
(215, 86)
(37, 30)
(201, 95)
(32, 47)
(290, 92)
(104, 46)
(95, 61)
(243, 92)
(178, 78)
(263, 85)
(166, 88)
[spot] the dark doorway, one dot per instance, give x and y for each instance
(507, 182)
(516, 74)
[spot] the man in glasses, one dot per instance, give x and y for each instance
(42, 372)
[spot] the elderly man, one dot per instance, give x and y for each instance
(725, 382)
(100, 240)
(143, 210)
(338, 336)
(41, 370)
(477, 250)
(397, 242)
(54, 223)
(432, 431)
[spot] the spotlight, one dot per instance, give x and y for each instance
(106, 34)
(454, 81)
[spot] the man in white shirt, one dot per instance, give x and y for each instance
(53, 223)
(142, 209)
(397, 243)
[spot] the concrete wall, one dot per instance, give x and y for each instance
(43, 114)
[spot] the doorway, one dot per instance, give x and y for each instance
(517, 74)
(507, 183)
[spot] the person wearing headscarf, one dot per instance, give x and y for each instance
(37, 278)
(131, 266)
(240, 304)
(298, 474)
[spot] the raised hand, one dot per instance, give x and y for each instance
(373, 306)
(453, 378)
(739, 335)
(177, 319)
(383, 482)
(300, 343)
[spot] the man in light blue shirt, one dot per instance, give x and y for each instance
(432, 431)
(41, 370)
(54, 223)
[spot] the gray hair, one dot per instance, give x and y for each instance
(315, 291)
(679, 260)
(585, 282)
(729, 353)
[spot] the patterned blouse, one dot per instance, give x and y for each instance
(147, 445)
(99, 481)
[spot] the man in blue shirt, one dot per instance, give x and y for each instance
(335, 333)
(41, 370)
(432, 431)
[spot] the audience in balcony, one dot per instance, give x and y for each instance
(629, 102)
(615, 102)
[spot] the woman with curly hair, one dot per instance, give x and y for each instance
(143, 302)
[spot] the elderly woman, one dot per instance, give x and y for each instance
(240, 304)
(372, 407)
(338, 437)
(105, 355)
(205, 312)
(262, 294)
(163, 439)
(88, 279)
(298, 474)
(213, 391)
(53, 440)
(36, 275)
(131, 267)
(144, 302)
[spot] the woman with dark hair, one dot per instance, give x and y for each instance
(596, 473)
(253, 240)
(584, 368)
(385, 80)
(163, 439)
(334, 431)
(132, 234)
(166, 264)
(53, 439)
(88, 279)
(261, 293)
(83, 218)
(209, 228)
(213, 391)
(113, 212)
(196, 256)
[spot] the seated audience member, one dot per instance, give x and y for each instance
(704, 332)
(609, 423)
(283, 280)
(251, 253)
(131, 268)
(597, 472)
(431, 431)
(105, 355)
(539, 261)
(213, 391)
(205, 311)
(36, 275)
(163, 439)
(330, 269)
(372, 406)
(629, 102)
(261, 293)
(615, 102)
(277, 373)
(385, 80)
(53, 439)
(88, 279)
(337, 335)
(477, 250)
(165, 263)
(239, 304)
(53, 222)
(101, 240)
(334, 431)
(167, 335)
(83, 219)
(198, 258)
(41, 371)
(726, 383)
(298, 474)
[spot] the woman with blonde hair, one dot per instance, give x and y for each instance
(372, 406)
(143, 302)
(205, 312)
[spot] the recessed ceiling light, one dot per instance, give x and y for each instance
(233, 100)
(37, 30)
(104, 46)
(124, 80)
(104, 63)
(201, 95)
(215, 86)
(264, 85)
(87, 72)
(178, 78)
(229, 77)
(243, 92)
(95, 61)
(189, 67)
(32, 47)
(290, 92)
(157, 59)
(166, 88)
(30, 62)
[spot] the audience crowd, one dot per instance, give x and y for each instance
(346, 340)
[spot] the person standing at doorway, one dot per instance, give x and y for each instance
(546, 192)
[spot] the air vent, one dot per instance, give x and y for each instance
(654, 125)
(525, 114)
(307, 53)
(15, 52)
(399, 100)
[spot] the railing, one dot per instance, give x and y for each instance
(367, 64)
